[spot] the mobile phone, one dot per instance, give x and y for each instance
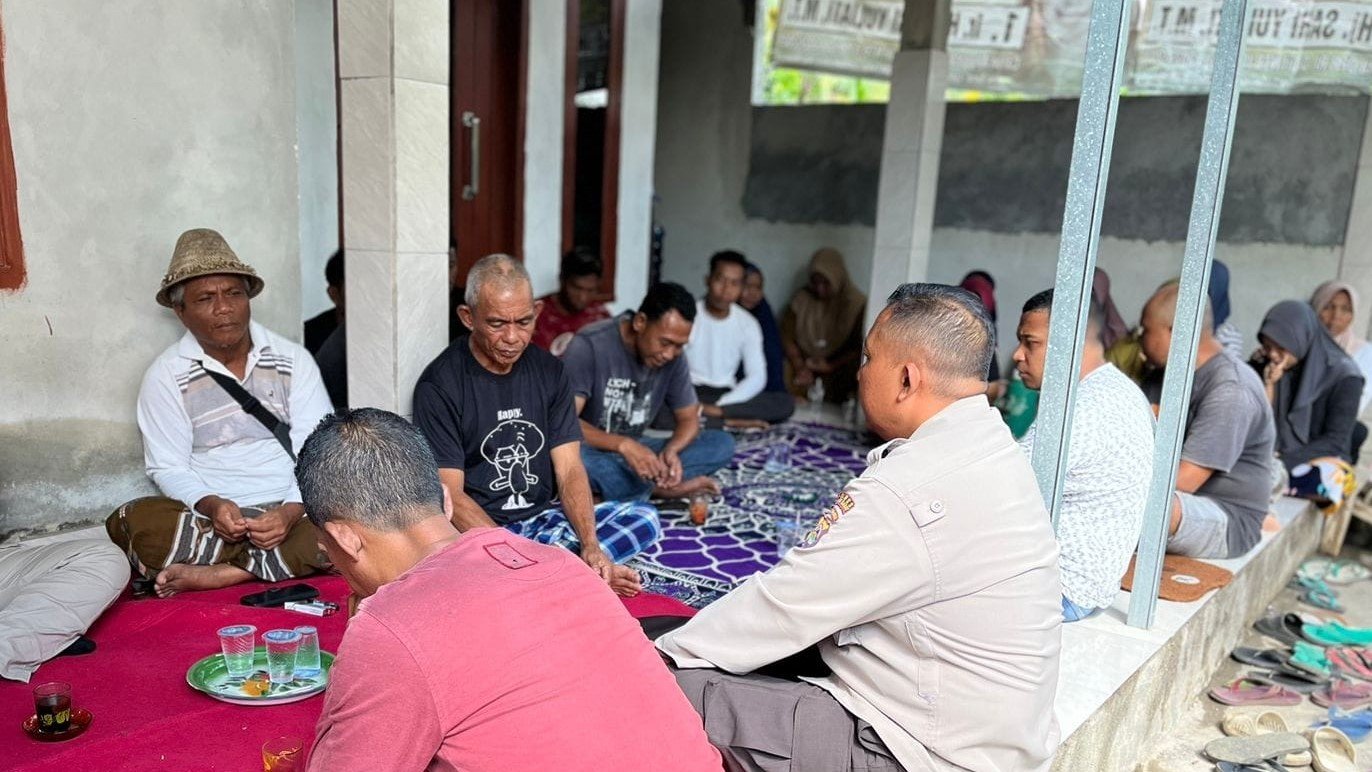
(278, 596)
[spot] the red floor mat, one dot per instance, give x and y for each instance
(146, 716)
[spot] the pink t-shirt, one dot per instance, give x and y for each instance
(498, 655)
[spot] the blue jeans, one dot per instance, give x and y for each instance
(1071, 612)
(614, 480)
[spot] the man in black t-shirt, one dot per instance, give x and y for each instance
(501, 419)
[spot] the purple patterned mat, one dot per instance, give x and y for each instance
(698, 564)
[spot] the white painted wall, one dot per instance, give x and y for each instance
(316, 118)
(132, 122)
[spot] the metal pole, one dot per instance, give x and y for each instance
(1190, 313)
(1106, 43)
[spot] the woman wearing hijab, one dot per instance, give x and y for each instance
(821, 330)
(1114, 329)
(1314, 387)
(1122, 346)
(1336, 303)
(981, 284)
(1225, 332)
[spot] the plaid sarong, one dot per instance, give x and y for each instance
(625, 528)
(158, 532)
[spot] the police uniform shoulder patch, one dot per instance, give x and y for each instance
(827, 519)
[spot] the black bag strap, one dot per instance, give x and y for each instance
(250, 404)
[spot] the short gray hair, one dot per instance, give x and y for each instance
(499, 269)
(177, 294)
(948, 324)
(371, 467)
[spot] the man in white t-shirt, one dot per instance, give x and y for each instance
(728, 367)
(1109, 463)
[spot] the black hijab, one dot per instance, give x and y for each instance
(1294, 326)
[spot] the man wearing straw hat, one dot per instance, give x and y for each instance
(222, 413)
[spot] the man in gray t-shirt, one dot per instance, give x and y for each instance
(1224, 477)
(622, 371)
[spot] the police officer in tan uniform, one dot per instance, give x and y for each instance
(929, 590)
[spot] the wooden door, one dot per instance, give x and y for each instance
(487, 128)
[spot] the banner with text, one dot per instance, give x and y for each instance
(1034, 48)
(1291, 46)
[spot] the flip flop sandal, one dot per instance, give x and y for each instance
(1284, 629)
(1348, 662)
(1332, 751)
(1297, 681)
(1309, 658)
(1264, 658)
(1314, 568)
(1255, 749)
(1342, 694)
(1322, 599)
(1336, 633)
(1346, 572)
(1254, 690)
(1356, 724)
(1267, 766)
(1241, 724)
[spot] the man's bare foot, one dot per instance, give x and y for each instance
(746, 423)
(626, 582)
(181, 577)
(687, 488)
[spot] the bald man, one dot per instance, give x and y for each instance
(1224, 477)
(931, 585)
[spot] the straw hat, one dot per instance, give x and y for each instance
(203, 252)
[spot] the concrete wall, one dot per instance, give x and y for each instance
(708, 179)
(132, 121)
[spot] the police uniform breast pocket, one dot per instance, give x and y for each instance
(928, 511)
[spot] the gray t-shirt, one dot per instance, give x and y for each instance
(1229, 429)
(622, 394)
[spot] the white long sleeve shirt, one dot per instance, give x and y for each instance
(198, 441)
(932, 589)
(719, 346)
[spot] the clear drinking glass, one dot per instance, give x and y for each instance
(237, 642)
(52, 705)
(283, 754)
(788, 534)
(281, 648)
(307, 656)
(778, 458)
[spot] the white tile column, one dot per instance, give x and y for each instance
(544, 131)
(1356, 265)
(910, 152)
(393, 68)
(637, 148)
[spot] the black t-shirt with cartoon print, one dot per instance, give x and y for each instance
(498, 429)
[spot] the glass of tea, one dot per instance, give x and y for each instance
(52, 703)
(700, 508)
(283, 754)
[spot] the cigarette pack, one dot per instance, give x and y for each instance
(313, 608)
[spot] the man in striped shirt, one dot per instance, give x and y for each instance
(230, 509)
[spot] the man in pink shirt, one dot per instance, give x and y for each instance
(475, 651)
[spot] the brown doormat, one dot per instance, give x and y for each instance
(1184, 579)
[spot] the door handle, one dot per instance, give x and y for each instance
(472, 188)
